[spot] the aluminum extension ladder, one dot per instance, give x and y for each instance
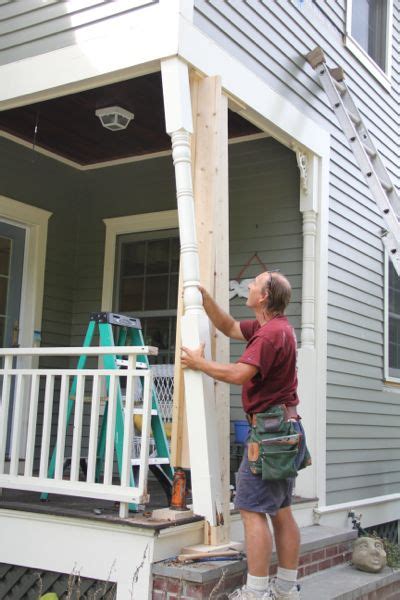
(129, 333)
(363, 148)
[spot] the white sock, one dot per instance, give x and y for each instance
(286, 579)
(257, 584)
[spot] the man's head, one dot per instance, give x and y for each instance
(368, 554)
(270, 291)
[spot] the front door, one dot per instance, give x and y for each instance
(12, 247)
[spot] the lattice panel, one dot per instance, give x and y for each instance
(389, 530)
(21, 583)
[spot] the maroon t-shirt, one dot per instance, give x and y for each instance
(272, 349)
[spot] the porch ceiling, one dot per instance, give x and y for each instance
(67, 126)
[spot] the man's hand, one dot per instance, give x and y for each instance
(191, 359)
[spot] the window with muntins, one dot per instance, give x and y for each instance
(369, 28)
(393, 338)
(146, 286)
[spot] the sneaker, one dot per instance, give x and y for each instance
(244, 593)
(274, 594)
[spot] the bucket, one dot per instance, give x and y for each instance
(241, 431)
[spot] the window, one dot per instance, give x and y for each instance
(146, 286)
(368, 34)
(392, 323)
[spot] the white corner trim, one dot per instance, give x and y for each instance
(153, 221)
(34, 220)
(265, 108)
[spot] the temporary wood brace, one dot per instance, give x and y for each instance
(363, 148)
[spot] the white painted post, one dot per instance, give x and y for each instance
(128, 434)
(199, 389)
(306, 483)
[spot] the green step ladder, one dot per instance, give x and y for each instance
(129, 334)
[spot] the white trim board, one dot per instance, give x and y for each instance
(267, 109)
(374, 511)
(101, 54)
(117, 161)
(34, 220)
(154, 221)
(123, 548)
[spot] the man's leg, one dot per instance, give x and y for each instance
(258, 543)
(287, 541)
(287, 538)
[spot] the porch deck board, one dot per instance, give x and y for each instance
(86, 508)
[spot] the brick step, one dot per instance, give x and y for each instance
(344, 582)
(321, 548)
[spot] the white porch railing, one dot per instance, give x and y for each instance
(27, 393)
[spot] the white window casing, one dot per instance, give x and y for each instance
(382, 75)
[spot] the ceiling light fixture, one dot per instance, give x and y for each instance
(114, 118)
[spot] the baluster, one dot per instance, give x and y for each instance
(128, 434)
(17, 424)
(31, 436)
(94, 430)
(112, 405)
(77, 437)
(5, 403)
(145, 436)
(46, 429)
(61, 427)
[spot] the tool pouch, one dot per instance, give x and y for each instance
(273, 445)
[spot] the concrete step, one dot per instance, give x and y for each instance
(344, 582)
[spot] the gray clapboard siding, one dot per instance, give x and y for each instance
(29, 28)
(272, 38)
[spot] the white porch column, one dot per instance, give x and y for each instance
(307, 482)
(199, 389)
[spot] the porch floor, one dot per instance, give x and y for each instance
(87, 508)
(99, 510)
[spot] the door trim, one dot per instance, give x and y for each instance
(34, 221)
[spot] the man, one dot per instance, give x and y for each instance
(267, 372)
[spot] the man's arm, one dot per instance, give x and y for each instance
(236, 373)
(222, 321)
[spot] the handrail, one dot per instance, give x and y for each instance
(77, 350)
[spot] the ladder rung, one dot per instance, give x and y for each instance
(139, 411)
(152, 461)
(371, 153)
(355, 118)
(341, 88)
(120, 362)
(386, 186)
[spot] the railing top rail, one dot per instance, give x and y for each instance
(77, 351)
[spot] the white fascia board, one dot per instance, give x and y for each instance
(240, 82)
(102, 54)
